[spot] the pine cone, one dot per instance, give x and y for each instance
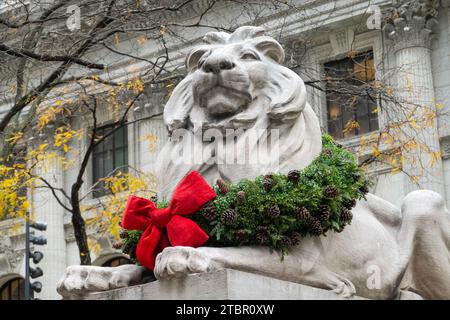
(356, 176)
(324, 213)
(327, 153)
(346, 215)
(350, 204)
(286, 241)
(223, 186)
(301, 213)
(229, 216)
(315, 227)
(209, 211)
(293, 176)
(241, 236)
(330, 192)
(269, 175)
(363, 189)
(295, 238)
(272, 211)
(262, 234)
(241, 197)
(117, 245)
(268, 183)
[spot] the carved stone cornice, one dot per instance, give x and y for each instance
(411, 23)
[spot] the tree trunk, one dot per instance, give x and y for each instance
(79, 227)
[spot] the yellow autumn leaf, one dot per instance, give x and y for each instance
(435, 157)
(15, 137)
(375, 151)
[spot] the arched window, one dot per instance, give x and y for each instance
(117, 261)
(14, 289)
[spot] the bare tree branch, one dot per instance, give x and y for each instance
(21, 53)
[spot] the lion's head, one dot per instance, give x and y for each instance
(236, 81)
(232, 80)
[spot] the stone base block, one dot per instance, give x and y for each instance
(220, 285)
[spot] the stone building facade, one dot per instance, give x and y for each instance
(416, 44)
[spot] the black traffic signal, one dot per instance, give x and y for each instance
(35, 273)
(36, 286)
(39, 225)
(40, 241)
(37, 256)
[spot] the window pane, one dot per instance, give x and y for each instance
(125, 152)
(108, 143)
(111, 154)
(119, 158)
(363, 116)
(349, 108)
(5, 293)
(119, 137)
(98, 166)
(114, 262)
(14, 289)
(108, 163)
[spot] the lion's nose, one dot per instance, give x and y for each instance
(214, 65)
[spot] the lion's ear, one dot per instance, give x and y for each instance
(271, 48)
(193, 57)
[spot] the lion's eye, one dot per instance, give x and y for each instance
(249, 56)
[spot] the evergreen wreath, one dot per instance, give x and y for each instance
(278, 210)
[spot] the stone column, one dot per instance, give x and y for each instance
(46, 209)
(410, 27)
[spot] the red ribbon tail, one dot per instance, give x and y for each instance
(152, 242)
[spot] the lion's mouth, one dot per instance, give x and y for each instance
(223, 101)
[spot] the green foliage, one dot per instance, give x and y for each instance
(335, 167)
(324, 192)
(130, 241)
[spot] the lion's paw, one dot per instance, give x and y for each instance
(81, 280)
(179, 261)
(344, 288)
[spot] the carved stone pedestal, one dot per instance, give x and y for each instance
(220, 285)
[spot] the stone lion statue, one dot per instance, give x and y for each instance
(236, 81)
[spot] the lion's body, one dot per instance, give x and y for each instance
(372, 254)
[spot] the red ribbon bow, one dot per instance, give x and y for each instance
(165, 227)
